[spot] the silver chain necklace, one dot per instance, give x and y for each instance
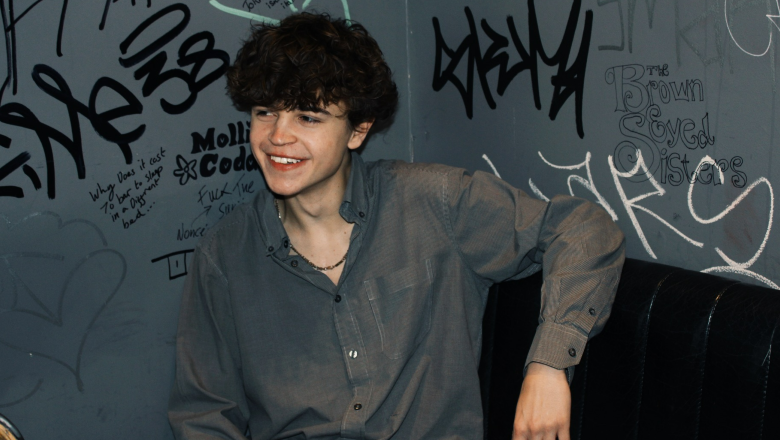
(318, 268)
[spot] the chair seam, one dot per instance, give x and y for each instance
(644, 353)
(766, 385)
(700, 388)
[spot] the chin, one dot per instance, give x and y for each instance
(280, 186)
(283, 190)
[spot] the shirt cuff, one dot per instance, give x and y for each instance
(557, 346)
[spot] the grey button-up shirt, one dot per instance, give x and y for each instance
(266, 344)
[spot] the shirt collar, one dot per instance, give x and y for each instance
(354, 209)
(271, 226)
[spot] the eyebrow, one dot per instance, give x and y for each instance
(315, 110)
(318, 110)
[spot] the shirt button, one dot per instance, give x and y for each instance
(361, 214)
(572, 352)
(270, 248)
(592, 312)
(294, 263)
(358, 406)
(353, 354)
(286, 243)
(337, 298)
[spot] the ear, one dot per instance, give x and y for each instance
(359, 134)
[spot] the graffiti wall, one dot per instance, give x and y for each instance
(118, 150)
(663, 112)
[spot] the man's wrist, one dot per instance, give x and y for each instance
(538, 368)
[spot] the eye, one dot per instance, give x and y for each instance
(262, 112)
(309, 120)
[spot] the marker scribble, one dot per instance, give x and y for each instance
(48, 319)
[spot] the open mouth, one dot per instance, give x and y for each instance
(283, 160)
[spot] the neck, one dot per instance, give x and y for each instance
(317, 209)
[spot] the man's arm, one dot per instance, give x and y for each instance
(544, 407)
(207, 400)
(502, 233)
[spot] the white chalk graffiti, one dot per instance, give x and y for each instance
(587, 183)
(631, 205)
(733, 266)
(492, 167)
(774, 19)
(537, 191)
(268, 20)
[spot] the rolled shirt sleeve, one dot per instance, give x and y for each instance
(207, 400)
(502, 233)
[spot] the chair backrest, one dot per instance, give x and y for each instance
(685, 355)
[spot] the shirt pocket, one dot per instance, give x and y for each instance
(402, 306)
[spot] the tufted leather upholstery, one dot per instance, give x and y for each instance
(685, 355)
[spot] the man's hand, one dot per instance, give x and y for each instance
(544, 408)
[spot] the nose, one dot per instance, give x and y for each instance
(281, 133)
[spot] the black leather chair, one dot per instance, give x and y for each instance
(685, 355)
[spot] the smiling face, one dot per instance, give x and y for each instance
(304, 152)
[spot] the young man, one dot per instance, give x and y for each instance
(346, 301)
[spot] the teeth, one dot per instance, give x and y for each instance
(284, 160)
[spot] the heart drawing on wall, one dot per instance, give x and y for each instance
(52, 293)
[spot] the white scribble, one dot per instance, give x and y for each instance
(748, 273)
(630, 205)
(733, 266)
(774, 19)
(586, 183)
(537, 192)
(243, 14)
(495, 171)
(534, 189)
(267, 20)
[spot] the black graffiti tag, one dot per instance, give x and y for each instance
(566, 82)
(105, 11)
(10, 21)
(194, 53)
(19, 115)
(152, 70)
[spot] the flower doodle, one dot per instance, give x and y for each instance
(186, 170)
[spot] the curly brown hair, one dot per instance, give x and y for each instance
(309, 61)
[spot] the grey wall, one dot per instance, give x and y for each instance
(673, 80)
(100, 210)
(103, 191)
